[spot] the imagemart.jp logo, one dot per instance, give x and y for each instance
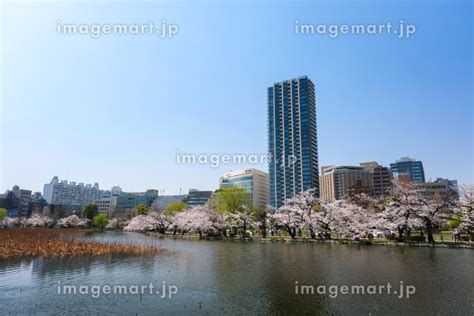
(96, 30)
(163, 291)
(402, 30)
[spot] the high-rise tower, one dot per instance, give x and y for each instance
(292, 139)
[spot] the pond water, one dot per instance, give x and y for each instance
(244, 278)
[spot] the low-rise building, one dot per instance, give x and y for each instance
(254, 181)
(336, 182)
(196, 197)
(381, 178)
(440, 188)
(162, 201)
(127, 201)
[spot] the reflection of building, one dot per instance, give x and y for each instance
(196, 197)
(72, 193)
(254, 181)
(292, 139)
(440, 188)
(408, 170)
(381, 178)
(338, 181)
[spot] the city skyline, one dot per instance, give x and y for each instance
(379, 98)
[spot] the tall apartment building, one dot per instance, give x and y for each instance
(408, 170)
(254, 181)
(336, 182)
(292, 139)
(381, 178)
(72, 193)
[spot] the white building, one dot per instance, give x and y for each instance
(254, 181)
(72, 193)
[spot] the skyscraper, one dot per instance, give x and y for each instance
(408, 169)
(292, 139)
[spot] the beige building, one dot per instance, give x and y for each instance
(106, 204)
(336, 182)
(254, 181)
(381, 178)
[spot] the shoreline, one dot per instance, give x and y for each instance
(454, 245)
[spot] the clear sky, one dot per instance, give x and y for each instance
(115, 109)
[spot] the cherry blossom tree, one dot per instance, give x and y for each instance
(465, 210)
(72, 221)
(433, 210)
(37, 221)
(11, 221)
(220, 222)
(351, 221)
(398, 211)
(289, 219)
(145, 223)
(299, 213)
(265, 220)
(197, 219)
(242, 221)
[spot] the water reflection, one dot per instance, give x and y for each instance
(216, 277)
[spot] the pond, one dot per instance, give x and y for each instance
(229, 277)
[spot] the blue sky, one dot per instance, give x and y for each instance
(115, 110)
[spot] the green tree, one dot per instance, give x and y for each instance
(91, 211)
(175, 207)
(454, 222)
(3, 213)
(100, 221)
(141, 210)
(233, 199)
(236, 201)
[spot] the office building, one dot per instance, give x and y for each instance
(381, 178)
(292, 139)
(17, 202)
(254, 181)
(441, 188)
(106, 205)
(338, 182)
(162, 201)
(408, 170)
(196, 197)
(126, 202)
